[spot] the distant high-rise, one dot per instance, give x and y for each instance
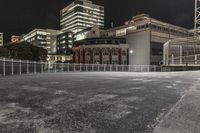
(81, 14)
(65, 43)
(45, 38)
(1, 39)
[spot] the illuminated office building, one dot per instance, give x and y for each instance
(81, 14)
(45, 38)
(65, 43)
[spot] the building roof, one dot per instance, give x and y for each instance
(144, 18)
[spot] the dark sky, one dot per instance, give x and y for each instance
(21, 16)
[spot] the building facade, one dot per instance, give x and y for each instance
(59, 58)
(93, 32)
(45, 38)
(65, 43)
(1, 39)
(101, 51)
(80, 15)
(146, 37)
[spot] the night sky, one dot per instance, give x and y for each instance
(21, 16)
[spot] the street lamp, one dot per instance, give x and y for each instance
(131, 51)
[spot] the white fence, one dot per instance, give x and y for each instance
(13, 67)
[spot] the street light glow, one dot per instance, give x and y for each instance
(131, 51)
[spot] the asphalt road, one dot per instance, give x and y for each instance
(89, 102)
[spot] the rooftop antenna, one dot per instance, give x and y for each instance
(197, 16)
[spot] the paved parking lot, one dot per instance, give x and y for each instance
(89, 102)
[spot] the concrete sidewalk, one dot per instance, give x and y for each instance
(184, 117)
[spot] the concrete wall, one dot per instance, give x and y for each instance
(139, 42)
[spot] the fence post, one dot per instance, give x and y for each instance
(12, 67)
(98, 67)
(80, 67)
(49, 67)
(41, 63)
(154, 68)
(92, 67)
(27, 67)
(129, 69)
(20, 67)
(104, 68)
(55, 67)
(62, 67)
(35, 71)
(4, 67)
(148, 68)
(110, 68)
(67, 67)
(86, 67)
(123, 68)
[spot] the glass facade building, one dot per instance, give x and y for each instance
(80, 15)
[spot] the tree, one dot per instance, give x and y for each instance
(4, 52)
(24, 51)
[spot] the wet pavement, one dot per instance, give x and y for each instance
(89, 102)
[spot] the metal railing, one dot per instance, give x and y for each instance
(14, 67)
